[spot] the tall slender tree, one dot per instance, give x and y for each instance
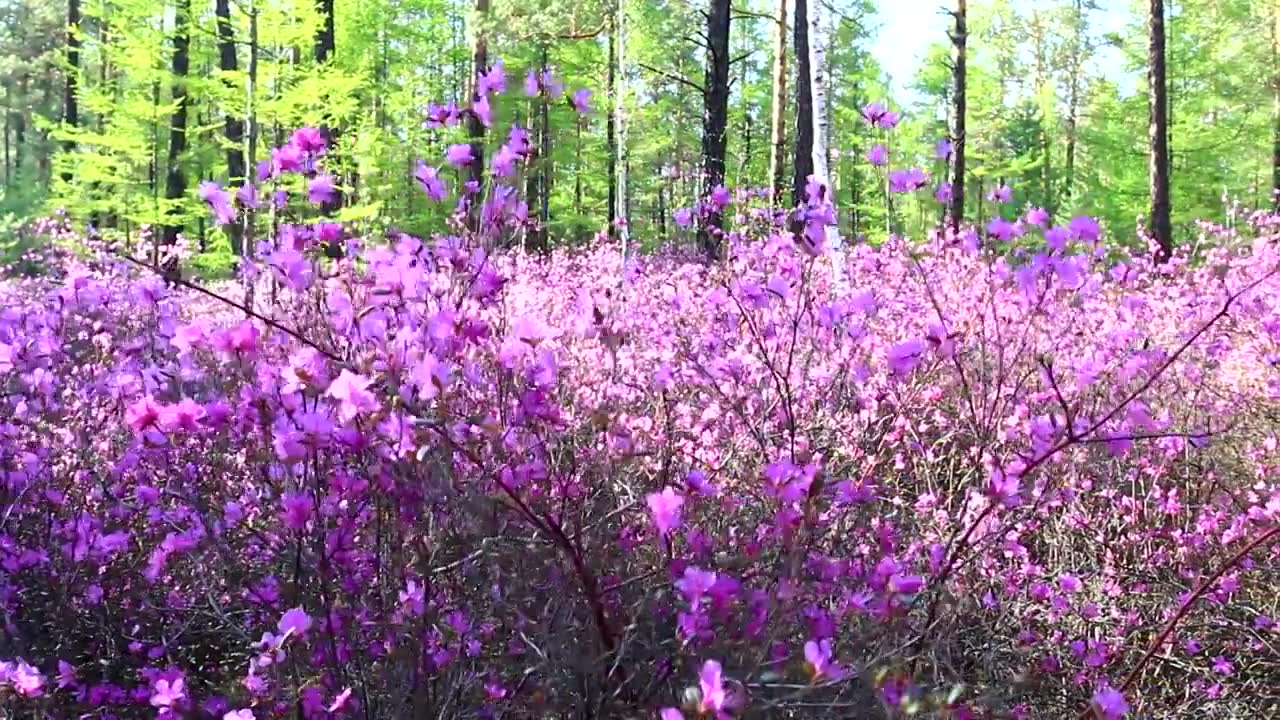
(959, 99)
(715, 116)
(70, 98)
(1158, 132)
(232, 125)
(778, 114)
(802, 165)
(175, 186)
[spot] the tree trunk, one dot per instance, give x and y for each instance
(175, 186)
(324, 47)
(802, 164)
(959, 40)
(475, 128)
(1073, 97)
(818, 77)
(778, 111)
(715, 118)
(232, 126)
(1158, 126)
(611, 123)
(70, 106)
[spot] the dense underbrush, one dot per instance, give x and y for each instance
(427, 481)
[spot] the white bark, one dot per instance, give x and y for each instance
(819, 40)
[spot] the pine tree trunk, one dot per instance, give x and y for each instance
(70, 105)
(1158, 109)
(715, 118)
(232, 126)
(175, 186)
(778, 111)
(959, 42)
(802, 165)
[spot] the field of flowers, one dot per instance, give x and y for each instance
(426, 481)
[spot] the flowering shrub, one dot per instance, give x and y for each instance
(426, 480)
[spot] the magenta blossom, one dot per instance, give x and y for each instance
(353, 395)
(582, 101)
(295, 622)
(878, 155)
(1110, 702)
(665, 508)
(460, 155)
(167, 694)
(429, 180)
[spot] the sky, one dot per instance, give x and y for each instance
(908, 27)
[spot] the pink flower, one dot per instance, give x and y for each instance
(353, 396)
(818, 656)
(320, 189)
(429, 179)
(906, 356)
(294, 622)
(670, 714)
(582, 101)
(245, 714)
(143, 414)
(1110, 702)
(297, 510)
(905, 584)
(27, 681)
(712, 682)
(167, 694)
(665, 508)
(460, 155)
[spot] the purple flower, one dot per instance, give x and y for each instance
(670, 714)
(711, 680)
(218, 201)
(247, 195)
(320, 189)
(294, 622)
(943, 149)
(720, 198)
(1110, 702)
(665, 508)
(683, 217)
(877, 115)
(245, 714)
(906, 355)
(1001, 193)
(483, 111)
(167, 694)
(908, 180)
(493, 81)
(531, 86)
(1085, 229)
(1001, 229)
(878, 155)
(286, 159)
(1056, 238)
(818, 656)
(905, 584)
(429, 180)
(27, 681)
(459, 155)
(1037, 216)
(308, 140)
(353, 396)
(582, 101)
